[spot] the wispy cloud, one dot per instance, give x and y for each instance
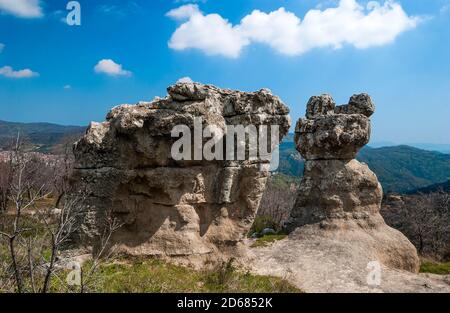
(111, 9)
(59, 15)
(191, 1)
(184, 12)
(375, 24)
(2, 46)
(122, 10)
(111, 68)
(9, 72)
(67, 87)
(22, 8)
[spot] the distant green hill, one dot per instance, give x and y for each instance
(42, 136)
(404, 168)
(399, 168)
(445, 186)
(291, 162)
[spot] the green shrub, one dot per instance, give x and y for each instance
(261, 222)
(266, 240)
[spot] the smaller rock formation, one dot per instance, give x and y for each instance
(172, 207)
(335, 185)
(338, 241)
(339, 196)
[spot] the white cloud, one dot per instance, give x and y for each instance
(22, 8)
(9, 72)
(349, 23)
(111, 68)
(67, 87)
(445, 8)
(210, 33)
(184, 12)
(185, 80)
(2, 46)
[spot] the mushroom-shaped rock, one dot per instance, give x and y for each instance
(331, 133)
(338, 196)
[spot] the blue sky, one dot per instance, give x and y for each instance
(52, 72)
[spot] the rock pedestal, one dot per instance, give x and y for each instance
(170, 207)
(339, 196)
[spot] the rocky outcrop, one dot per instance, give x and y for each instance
(340, 197)
(338, 241)
(171, 207)
(317, 260)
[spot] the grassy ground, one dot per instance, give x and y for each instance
(136, 274)
(266, 240)
(148, 275)
(435, 268)
(156, 276)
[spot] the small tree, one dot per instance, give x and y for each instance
(35, 241)
(5, 183)
(424, 219)
(63, 166)
(276, 203)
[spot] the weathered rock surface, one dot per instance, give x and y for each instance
(338, 241)
(339, 198)
(173, 207)
(330, 132)
(337, 261)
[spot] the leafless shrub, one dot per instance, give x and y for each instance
(276, 204)
(62, 169)
(5, 183)
(102, 252)
(19, 189)
(424, 219)
(30, 244)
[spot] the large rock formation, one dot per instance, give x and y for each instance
(338, 241)
(124, 166)
(338, 195)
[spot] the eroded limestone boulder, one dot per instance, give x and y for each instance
(340, 197)
(336, 136)
(337, 189)
(124, 167)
